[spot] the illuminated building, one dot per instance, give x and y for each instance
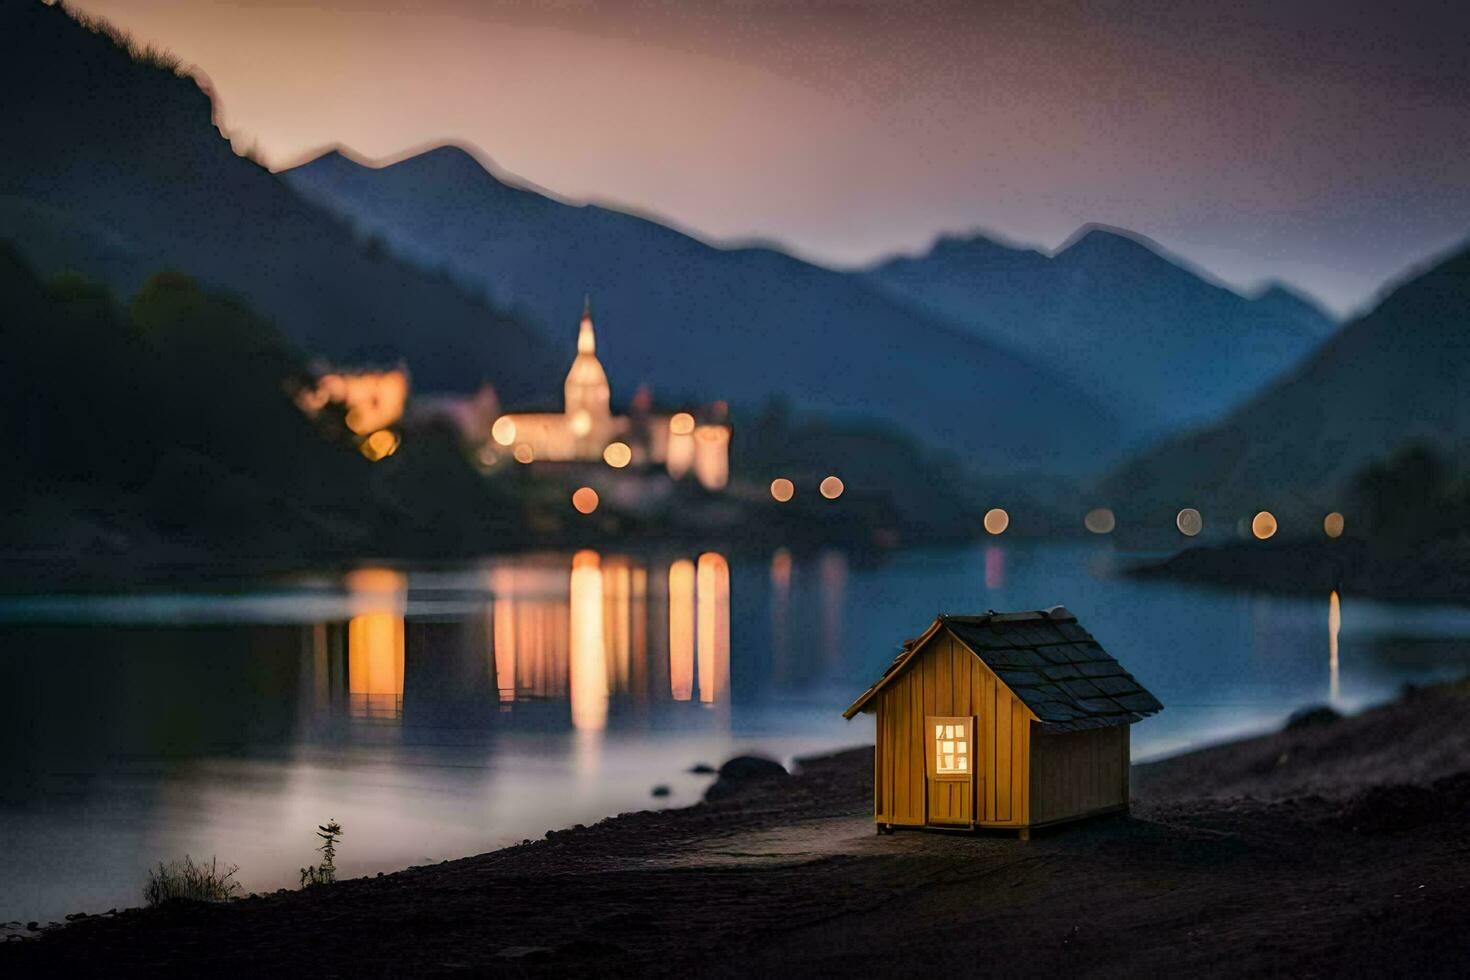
(371, 400)
(586, 427)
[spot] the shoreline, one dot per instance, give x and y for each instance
(1434, 576)
(1336, 844)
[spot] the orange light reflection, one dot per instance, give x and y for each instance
(714, 627)
(681, 629)
(588, 666)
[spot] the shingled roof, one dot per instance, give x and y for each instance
(1048, 661)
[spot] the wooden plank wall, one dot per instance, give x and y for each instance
(945, 678)
(1074, 773)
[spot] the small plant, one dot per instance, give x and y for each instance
(326, 872)
(192, 882)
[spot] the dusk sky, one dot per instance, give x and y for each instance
(1320, 142)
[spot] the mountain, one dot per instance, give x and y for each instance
(1398, 375)
(1113, 312)
(741, 324)
(113, 168)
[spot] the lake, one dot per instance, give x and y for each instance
(441, 712)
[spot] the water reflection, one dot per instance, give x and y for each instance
(1334, 626)
(780, 614)
(375, 665)
(375, 644)
(714, 628)
(995, 566)
(589, 632)
(588, 644)
(833, 573)
(681, 629)
(532, 631)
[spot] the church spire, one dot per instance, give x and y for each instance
(586, 340)
(587, 394)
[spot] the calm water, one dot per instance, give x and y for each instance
(441, 713)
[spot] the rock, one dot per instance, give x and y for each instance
(742, 772)
(702, 769)
(661, 791)
(33, 926)
(1311, 717)
(746, 767)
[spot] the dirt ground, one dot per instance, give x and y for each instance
(1341, 848)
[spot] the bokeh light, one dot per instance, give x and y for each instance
(524, 453)
(504, 430)
(1100, 520)
(681, 424)
(379, 445)
(997, 520)
(1189, 522)
(782, 489)
(585, 500)
(831, 488)
(1332, 525)
(617, 455)
(1263, 525)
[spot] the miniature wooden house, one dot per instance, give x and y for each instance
(1007, 720)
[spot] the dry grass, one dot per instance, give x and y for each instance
(191, 882)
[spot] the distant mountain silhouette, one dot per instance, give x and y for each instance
(1398, 375)
(112, 168)
(1110, 310)
(742, 324)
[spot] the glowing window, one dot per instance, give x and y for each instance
(951, 753)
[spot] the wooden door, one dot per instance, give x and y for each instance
(950, 754)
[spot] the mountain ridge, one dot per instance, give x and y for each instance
(1390, 377)
(114, 148)
(1118, 314)
(744, 322)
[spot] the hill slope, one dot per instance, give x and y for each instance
(1398, 374)
(113, 168)
(740, 324)
(1118, 316)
